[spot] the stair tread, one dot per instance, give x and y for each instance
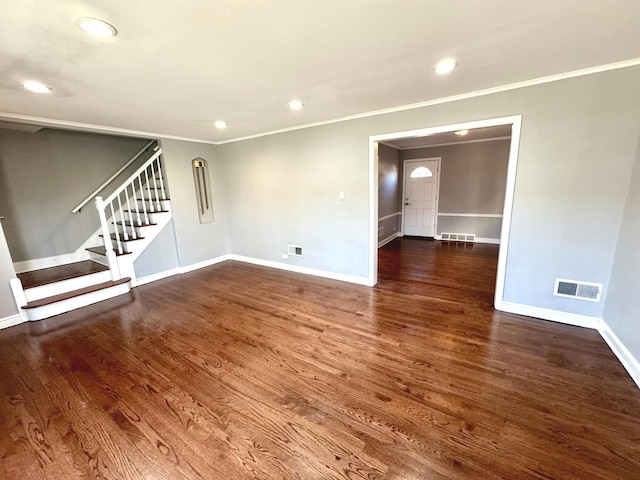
(45, 276)
(128, 223)
(75, 293)
(101, 250)
(113, 237)
(148, 211)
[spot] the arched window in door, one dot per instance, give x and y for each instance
(421, 172)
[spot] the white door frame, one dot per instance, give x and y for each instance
(404, 193)
(516, 122)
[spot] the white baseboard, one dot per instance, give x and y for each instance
(493, 241)
(180, 270)
(158, 276)
(629, 362)
(382, 243)
(205, 263)
(552, 315)
(305, 270)
(11, 320)
(255, 261)
(46, 262)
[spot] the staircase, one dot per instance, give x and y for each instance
(130, 218)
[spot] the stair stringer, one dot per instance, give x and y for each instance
(126, 262)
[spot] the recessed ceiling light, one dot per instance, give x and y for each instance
(96, 27)
(36, 87)
(445, 66)
(295, 105)
(461, 133)
(220, 124)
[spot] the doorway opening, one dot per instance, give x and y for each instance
(443, 211)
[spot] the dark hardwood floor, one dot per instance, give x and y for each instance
(238, 371)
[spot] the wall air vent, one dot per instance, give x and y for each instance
(579, 290)
(294, 250)
(458, 237)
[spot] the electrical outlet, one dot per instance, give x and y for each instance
(285, 256)
(380, 231)
(294, 250)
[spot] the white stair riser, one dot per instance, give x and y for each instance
(63, 306)
(164, 204)
(148, 233)
(101, 259)
(64, 286)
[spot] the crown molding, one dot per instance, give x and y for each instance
(88, 127)
(92, 128)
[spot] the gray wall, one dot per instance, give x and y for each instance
(7, 303)
(473, 179)
(622, 308)
(473, 176)
(161, 254)
(284, 189)
(195, 242)
(389, 189)
(566, 212)
(43, 176)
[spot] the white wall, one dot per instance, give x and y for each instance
(7, 303)
(622, 308)
(194, 242)
(577, 147)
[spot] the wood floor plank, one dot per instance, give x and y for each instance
(244, 372)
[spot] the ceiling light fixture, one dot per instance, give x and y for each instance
(36, 87)
(295, 105)
(461, 133)
(220, 124)
(96, 27)
(445, 66)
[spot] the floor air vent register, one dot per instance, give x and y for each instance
(458, 237)
(578, 290)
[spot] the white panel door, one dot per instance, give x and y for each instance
(420, 197)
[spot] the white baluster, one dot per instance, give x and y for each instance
(144, 202)
(124, 224)
(161, 172)
(155, 186)
(151, 206)
(118, 242)
(135, 201)
(134, 233)
(108, 244)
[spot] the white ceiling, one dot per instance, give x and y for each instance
(447, 138)
(176, 67)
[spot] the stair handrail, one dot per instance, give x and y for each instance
(133, 176)
(112, 178)
(123, 197)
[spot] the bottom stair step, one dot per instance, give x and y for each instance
(65, 302)
(103, 251)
